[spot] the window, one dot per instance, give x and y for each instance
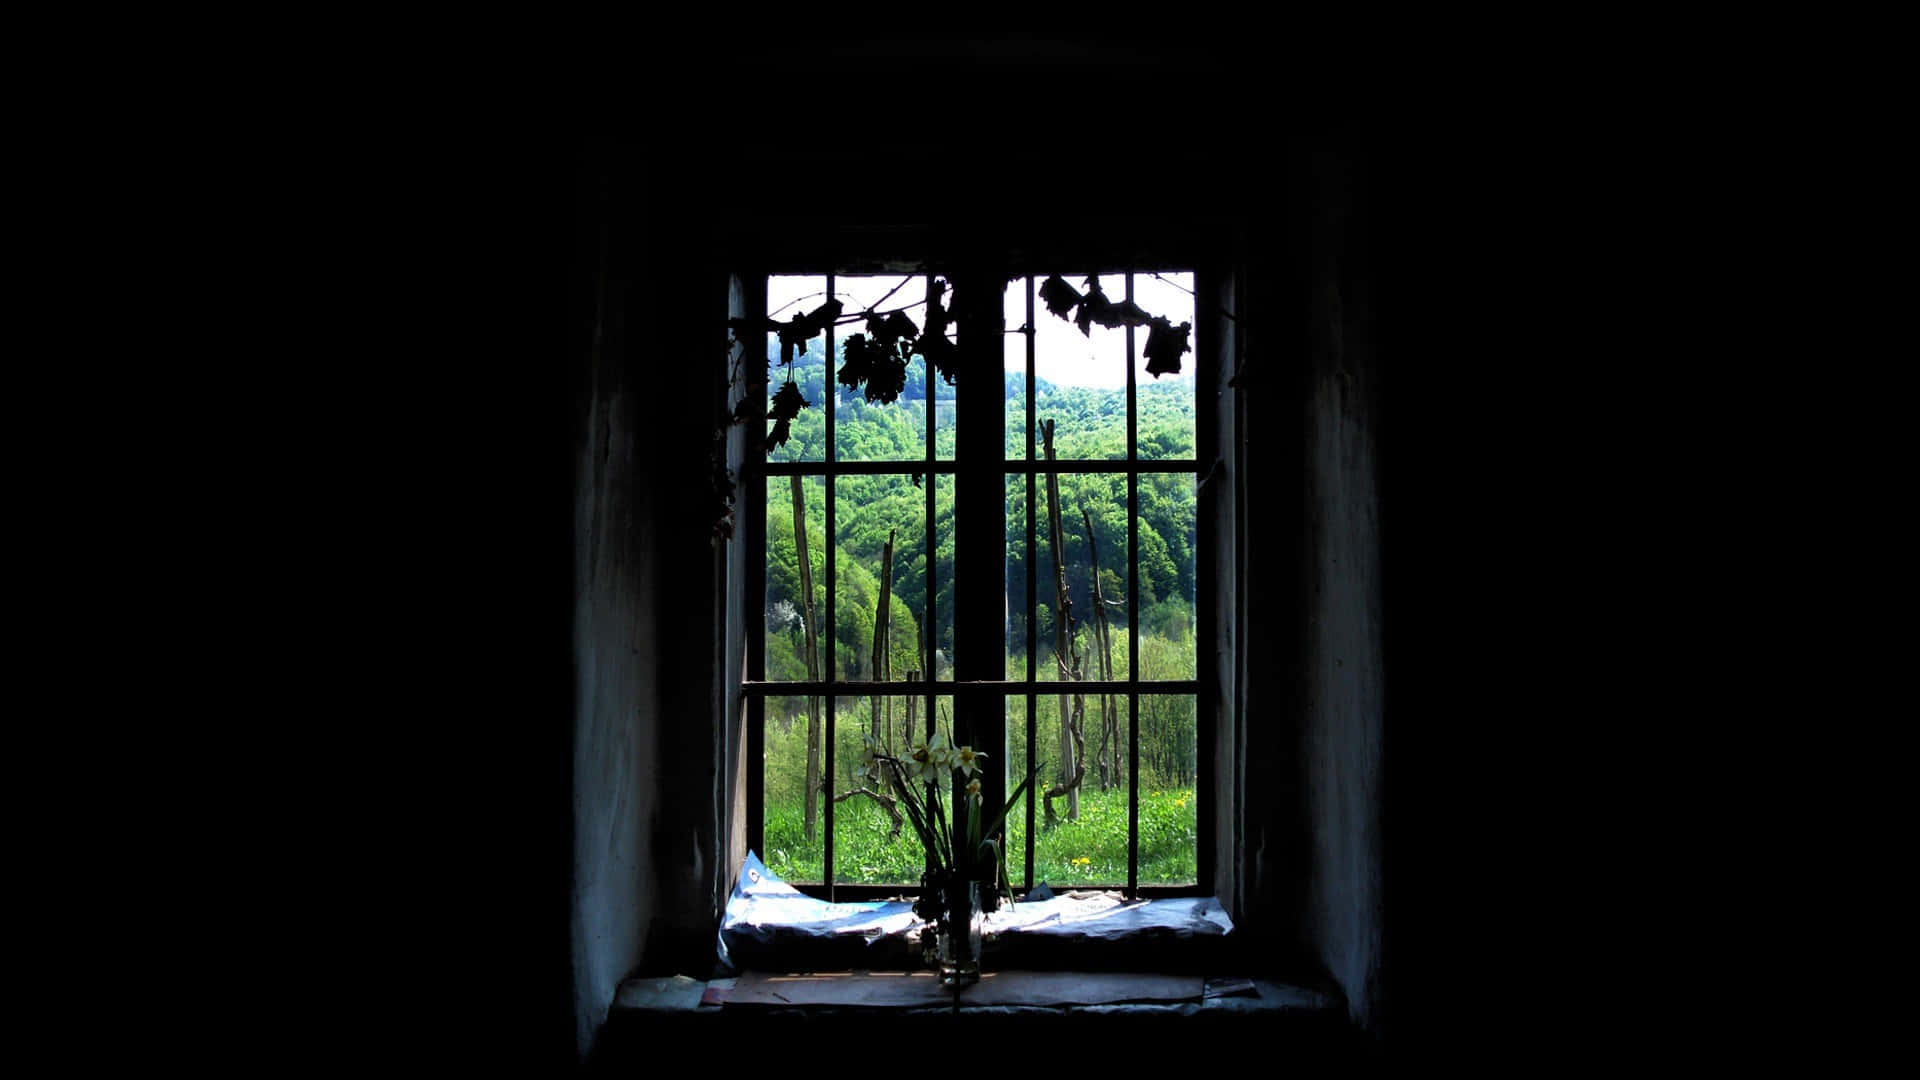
(882, 631)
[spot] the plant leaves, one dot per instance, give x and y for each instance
(1131, 314)
(1096, 308)
(886, 378)
(890, 332)
(786, 405)
(1060, 296)
(1165, 343)
(820, 317)
(941, 353)
(859, 362)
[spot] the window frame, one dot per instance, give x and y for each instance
(754, 688)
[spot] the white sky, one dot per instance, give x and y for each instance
(1061, 355)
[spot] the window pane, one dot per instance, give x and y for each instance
(1166, 403)
(896, 430)
(1083, 841)
(1167, 551)
(1015, 351)
(807, 433)
(871, 846)
(788, 655)
(795, 841)
(1018, 562)
(945, 415)
(1169, 822)
(1091, 650)
(869, 511)
(1081, 380)
(1015, 765)
(943, 581)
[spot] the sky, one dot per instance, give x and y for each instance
(1062, 355)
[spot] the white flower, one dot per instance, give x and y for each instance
(973, 791)
(924, 762)
(967, 761)
(941, 750)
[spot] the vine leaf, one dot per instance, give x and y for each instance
(940, 353)
(1131, 314)
(796, 332)
(1165, 343)
(859, 365)
(933, 344)
(1096, 308)
(820, 317)
(1060, 296)
(886, 378)
(895, 333)
(786, 405)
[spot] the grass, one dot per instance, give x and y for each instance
(1091, 851)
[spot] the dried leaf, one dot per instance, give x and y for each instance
(941, 354)
(1165, 343)
(889, 332)
(1096, 308)
(820, 317)
(886, 378)
(1060, 296)
(794, 334)
(787, 404)
(1131, 314)
(859, 362)
(777, 437)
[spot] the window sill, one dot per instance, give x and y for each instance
(1220, 1014)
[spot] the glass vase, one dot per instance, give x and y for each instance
(960, 931)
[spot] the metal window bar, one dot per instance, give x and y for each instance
(827, 701)
(1133, 619)
(1033, 698)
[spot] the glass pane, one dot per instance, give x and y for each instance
(1083, 833)
(1015, 351)
(1016, 759)
(1166, 402)
(943, 489)
(872, 846)
(1169, 812)
(1081, 380)
(872, 512)
(795, 839)
(875, 431)
(807, 432)
(793, 653)
(1083, 644)
(1168, 544)
(1019, 648)
(943, 391)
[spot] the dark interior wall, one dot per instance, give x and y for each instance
(616, 777)
(650, 795)
(1344, 672)
(651, 808)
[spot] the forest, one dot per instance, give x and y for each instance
(880, 547)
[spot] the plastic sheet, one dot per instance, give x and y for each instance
(771, 925)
